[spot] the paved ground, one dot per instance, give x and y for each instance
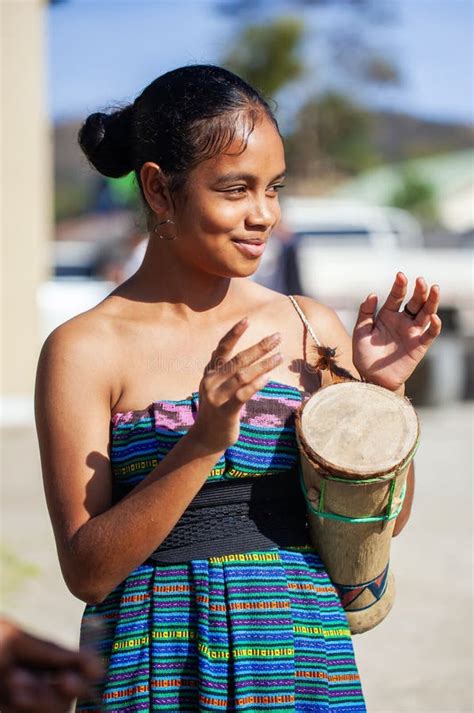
(417, 661)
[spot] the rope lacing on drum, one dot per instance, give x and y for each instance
(388, 515)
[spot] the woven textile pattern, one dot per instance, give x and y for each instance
(260, 631)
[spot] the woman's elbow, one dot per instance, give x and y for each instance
(87, 592)
(91, 597)
(84, 585)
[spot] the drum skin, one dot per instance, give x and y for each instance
(356, 442)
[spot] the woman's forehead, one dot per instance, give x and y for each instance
(259, 155)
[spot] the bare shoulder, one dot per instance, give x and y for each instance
(323, 319)
(276, 307)
(329, 330)
(84, 348)
(84, 333)
(263, 301)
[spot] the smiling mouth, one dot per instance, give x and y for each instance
(253, 241)
(250, 248)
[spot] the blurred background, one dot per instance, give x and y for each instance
(375, 101)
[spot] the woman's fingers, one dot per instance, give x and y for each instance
(397, 294)
(365, 319)
(220, 361)
(424, 301)
(433, 331)
(429, 307)
(245, 383)
(253, 353)
(419, 297)
(222, 352)
(243, 377)
(229, 382)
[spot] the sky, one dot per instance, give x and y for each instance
(104, 52)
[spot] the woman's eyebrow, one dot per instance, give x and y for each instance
(239, 176)
(279, 177)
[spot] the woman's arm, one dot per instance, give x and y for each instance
(405, 512)
(332, 333)
(99, 544)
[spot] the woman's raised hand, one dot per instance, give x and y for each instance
(228, 383)
(387, 347)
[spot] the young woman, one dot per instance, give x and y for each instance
(166, 423)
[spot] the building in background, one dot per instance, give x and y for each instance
(26, 199)
(451, 176)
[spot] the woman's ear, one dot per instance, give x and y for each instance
(155, 188)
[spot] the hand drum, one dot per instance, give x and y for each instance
(356, 442)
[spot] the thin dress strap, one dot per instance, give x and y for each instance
(304, 320)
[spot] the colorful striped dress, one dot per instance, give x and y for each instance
(260, 631)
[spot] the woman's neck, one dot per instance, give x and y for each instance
(178, 288)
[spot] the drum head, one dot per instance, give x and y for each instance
(358, 429)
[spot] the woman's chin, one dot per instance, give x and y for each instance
(245, 270)
(240, 268)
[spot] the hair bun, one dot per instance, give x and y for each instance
(106, 141)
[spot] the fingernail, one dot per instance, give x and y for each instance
(275, 338)
(243, 321)
(277, 358)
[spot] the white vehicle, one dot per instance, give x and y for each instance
(344, 250)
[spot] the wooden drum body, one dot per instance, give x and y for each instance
(356, 442)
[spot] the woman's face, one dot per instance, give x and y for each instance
(231, 205)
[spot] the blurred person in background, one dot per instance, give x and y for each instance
(37, 676)
(137, 244)
(278, 269)
(198, 608)
(118, 263)
(109, 263)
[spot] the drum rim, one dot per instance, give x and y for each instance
(328, 468)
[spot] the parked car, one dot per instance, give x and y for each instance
(344, 250)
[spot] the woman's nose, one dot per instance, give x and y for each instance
(263, 213)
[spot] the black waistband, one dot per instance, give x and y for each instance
(238, 516)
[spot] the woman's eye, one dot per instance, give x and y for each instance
(276, 187)
(236, 189)
(241, 190)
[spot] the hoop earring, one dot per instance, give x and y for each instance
(165, 237)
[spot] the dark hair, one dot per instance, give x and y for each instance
(184, 117)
